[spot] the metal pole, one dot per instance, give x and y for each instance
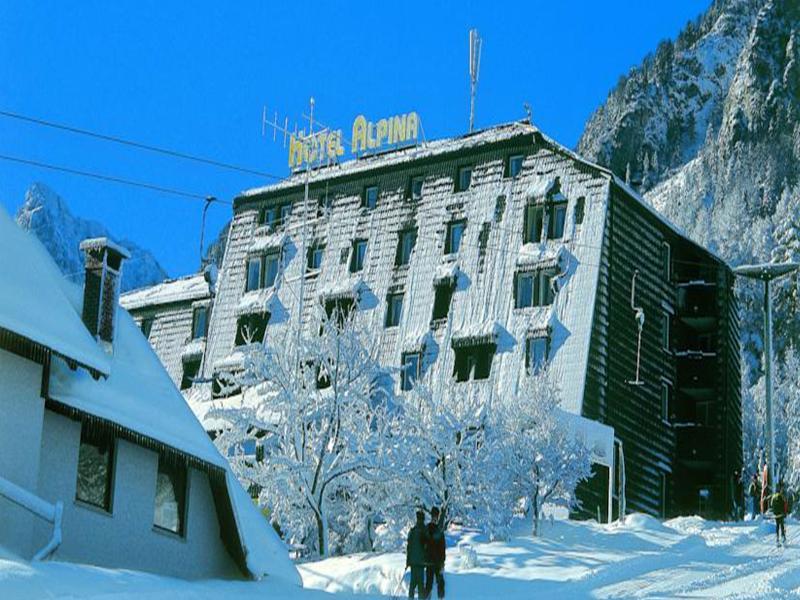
(768, 375)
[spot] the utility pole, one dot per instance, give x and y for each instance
(767, 273)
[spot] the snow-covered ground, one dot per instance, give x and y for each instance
(685, 557)
(644, 558)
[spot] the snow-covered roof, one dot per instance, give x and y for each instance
(33, 304)
(137, 395)
(183, 289)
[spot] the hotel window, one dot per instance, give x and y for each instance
(410, 372)
(557, 216)
(665, 333)
(464, 179)
(514, 165)
(190, 370)
(146, 326)
(443, 295)
(270, 269)
(251, 328)
(473, 362)
(199, 322)
(95, 469)
(314, 258)
(536, 353)
(405, 245)
(357, 255)
(666, 401)
(170, 505)
(455, 233)
(394, 308)
(253, 273)
(534, 288)
(666, 261)
(262, 271)
(532, 224)
(580, 210)
(415, 188)
(370, 197)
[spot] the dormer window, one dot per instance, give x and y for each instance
(262, 271)
(455, 233)
(464, 180)
(199, 322)
(405, 245)
(369, 199)
(514, 165)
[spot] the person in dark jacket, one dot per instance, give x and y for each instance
(415, 556)
(753, 494)
(779, 507)
(435, 554)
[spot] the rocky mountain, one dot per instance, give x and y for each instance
(708, 129)
(47, 215)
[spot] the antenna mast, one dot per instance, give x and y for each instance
(475, 43)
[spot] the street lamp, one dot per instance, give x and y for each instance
(766, 273)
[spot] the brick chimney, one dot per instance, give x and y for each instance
(103, 260)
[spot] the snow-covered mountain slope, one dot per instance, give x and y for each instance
(709, 128)
(47, 215)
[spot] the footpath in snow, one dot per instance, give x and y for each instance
(644, 558)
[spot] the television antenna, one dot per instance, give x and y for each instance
(475, 45)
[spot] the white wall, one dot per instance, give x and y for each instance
(125, 538)
(21, 411)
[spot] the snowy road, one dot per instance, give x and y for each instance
(682, 558)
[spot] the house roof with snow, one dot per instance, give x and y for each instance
(184, 289)
(136, 396)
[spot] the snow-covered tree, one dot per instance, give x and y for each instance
(544, 457)
(316, 404)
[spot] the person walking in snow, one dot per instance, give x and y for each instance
(435, 554)
(779, 507)
(753, 494)
(415, 556)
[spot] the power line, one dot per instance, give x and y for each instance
(139, 145)
(111, 178)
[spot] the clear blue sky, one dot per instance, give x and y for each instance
(194, 77)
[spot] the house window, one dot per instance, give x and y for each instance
(95, 469)
(665, 333)
(415, 188)
(464, 179)
(253, 273)
(666, 261)
(251, 328)
(536, 353)
(534, 288)
(580, 210)
(224, 385)
(146, 326)
(370, 197)
(285, 212)
(268, 216)
(406, 243)
(357, 255)
(664, 494)
(412, 362)
(190, 370)
(170, 504)
(324, 204)
(443, 295)
(557, 216)
(199, 322)
(473, 362)
(314, 258)
(666, 401)
(339, 310)
(455, 233)
(394, 307)
(270, 269)
(514, 165)
(532, 224)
